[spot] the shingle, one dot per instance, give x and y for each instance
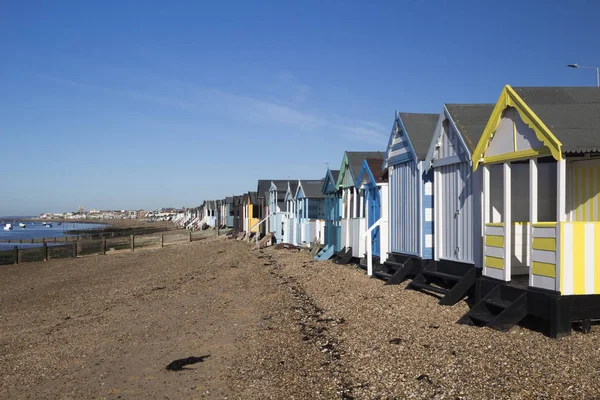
(420, 129)
(312, 188)
(470, 119)
(571, 113)
(253, 197)
(293, 187)
(334, 174)
(375, 167)
(356, 158)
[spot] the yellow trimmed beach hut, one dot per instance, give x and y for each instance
(540, 159)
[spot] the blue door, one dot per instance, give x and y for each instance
(332, 222)
(374, 201)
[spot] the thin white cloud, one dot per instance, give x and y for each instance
(191, 97)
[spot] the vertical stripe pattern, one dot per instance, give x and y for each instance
(580, 258)
(427, 210)
(404, 221)
(585, 178)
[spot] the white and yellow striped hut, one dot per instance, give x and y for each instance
(540, 155)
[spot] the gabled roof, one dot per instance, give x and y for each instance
(572, 114)
(229, 200)
(335, 173)
(375, 168)
(281, 184)
(470, 120)
(419, 129)
(264, 186)
(311, 188)
(370, 173)
(356, 158)
(564, 120)
(253, 197)
(292, 188)
(330, 181)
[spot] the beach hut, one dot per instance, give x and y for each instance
(539, 156)
(333, 227)
(310, 212)
(277, 208)
(458, 230)
(238, 213)
(250, 212)
(228, 212)
(209, 212)
(289, 222)
(410, 196)
(373, 184)
(352, 221)
(262, 195)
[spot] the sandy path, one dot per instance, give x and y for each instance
(106, 326)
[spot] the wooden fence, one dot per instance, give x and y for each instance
(86, 247)
(102, 233)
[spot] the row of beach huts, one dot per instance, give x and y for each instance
(498, 204)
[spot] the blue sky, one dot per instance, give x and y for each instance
(150, 104)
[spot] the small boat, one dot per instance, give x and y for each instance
(60, 223)
(22, 225)
(8, 227)
(48, 225)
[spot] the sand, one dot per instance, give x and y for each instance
(261, 324)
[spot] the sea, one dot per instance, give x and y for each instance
(36, 230)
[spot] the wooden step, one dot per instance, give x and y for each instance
(382, 275)
(442, 275)
(393, 264)
(496, 311)
(428, 287)
(482, 318)
(497, 302)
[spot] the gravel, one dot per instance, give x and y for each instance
(275, 325)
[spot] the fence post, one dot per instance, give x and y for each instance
(31, 240)
(103, 246)
(21, 241)
(74, 248)
(45, 251)
(190, 235)
(132, 242)
(162, 240)
(16, 254)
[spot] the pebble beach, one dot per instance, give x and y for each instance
(261, 324)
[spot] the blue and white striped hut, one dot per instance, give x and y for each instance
(411, 188)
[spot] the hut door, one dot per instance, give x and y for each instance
(374, 215)
(450, 213)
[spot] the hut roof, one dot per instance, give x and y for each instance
(334, 174)
(312, 188)
(571, 113)
(420, 129)
(470, 119)
(356, 158)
